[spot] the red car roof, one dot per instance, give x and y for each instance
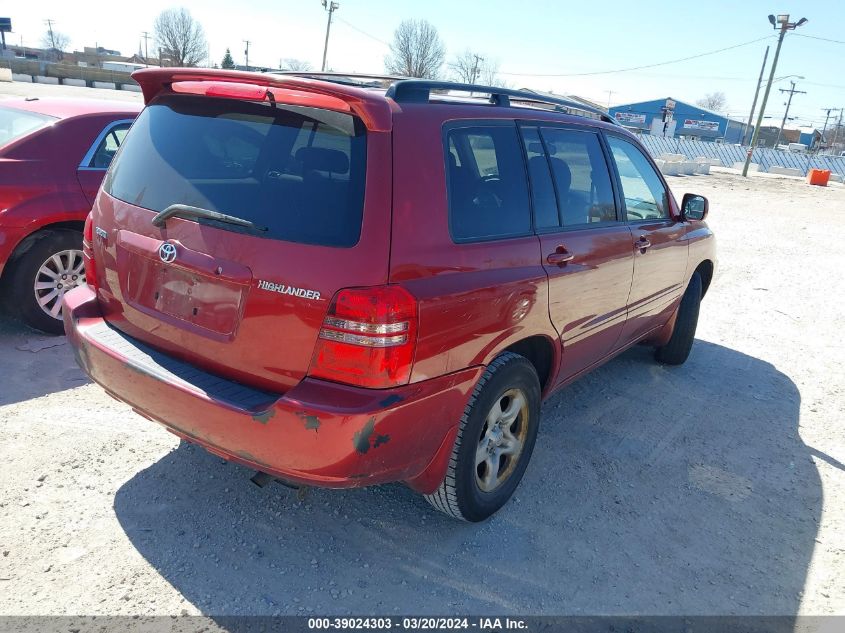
(68, 108)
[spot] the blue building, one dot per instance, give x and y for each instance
(669, 117)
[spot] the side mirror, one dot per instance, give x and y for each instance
(694, 207)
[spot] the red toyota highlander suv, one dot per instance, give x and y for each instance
(340, 285)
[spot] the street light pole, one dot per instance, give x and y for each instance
(785, 25)
(331, 7)
(756, 94)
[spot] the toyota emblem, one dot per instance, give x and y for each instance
(167, 252)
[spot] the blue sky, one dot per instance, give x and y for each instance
(528, 39)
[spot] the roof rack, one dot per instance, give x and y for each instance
(419, 91)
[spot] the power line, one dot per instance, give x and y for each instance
(362, 32)
(822, 39)
(623, 70)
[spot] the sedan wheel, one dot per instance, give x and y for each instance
(61, 272)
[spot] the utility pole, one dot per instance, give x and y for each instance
(838, 127)
(146, 37)
(785, 25)
(478, 58)
(791, 92)
(609, 94)
(246, 53)
(826, 117)
(331, 7)
(756, 94)
(49, 23)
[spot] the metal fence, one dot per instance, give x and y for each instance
(730, 154)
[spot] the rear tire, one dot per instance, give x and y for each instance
(677, 350)
(495, 441)
(36, 284)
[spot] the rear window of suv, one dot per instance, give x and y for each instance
(297, 171)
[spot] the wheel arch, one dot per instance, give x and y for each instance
(26, 242)
(705, 271)
(540, 352)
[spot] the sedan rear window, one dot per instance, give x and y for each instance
(298, 172)
(15, 124)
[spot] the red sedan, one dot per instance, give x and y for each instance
(53, 156)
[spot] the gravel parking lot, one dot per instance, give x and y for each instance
(717, 487)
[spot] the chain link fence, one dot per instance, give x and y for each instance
(730, 154)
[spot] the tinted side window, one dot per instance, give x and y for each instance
(109, 146)
(542, 190)
(487, 190)
(581, 175)
(645, 195)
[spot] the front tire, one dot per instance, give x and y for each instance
(50, 266)
(495, 441)
(677, 350)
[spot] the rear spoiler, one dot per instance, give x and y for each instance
(371, 107)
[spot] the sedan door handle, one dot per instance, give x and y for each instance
(642, 244)
(560, 257)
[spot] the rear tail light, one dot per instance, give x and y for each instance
(368, 338)
(88, 253)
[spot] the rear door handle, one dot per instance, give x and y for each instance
(560, 257)
(642, 244)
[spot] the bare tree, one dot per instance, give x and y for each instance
(55, 42)
(713, 101)
(416, 51)
(472, 68)
(297, 65)
(181, 37)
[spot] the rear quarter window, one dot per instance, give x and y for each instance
(297, 171)
(486, 184)
(15, 124)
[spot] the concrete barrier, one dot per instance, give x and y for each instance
(785, 171)
(20, 77)
(5, 74)
(670, 168)
(41, 79)
(108, 85)
(703, 167)
(688, 168)
(837, 178)
(67, 81)
(673, 158)
(130, 87)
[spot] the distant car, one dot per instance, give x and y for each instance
(53, 156)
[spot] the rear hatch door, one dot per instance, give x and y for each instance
(305, 195)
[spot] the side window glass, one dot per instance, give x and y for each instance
(581, 176)
(109, 146)
(542, 189)
(644, 193)
(486, 184)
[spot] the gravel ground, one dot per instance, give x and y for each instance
(717, 487)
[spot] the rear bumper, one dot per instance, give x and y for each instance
(318, 433)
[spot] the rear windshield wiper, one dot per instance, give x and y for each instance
(187, 211)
